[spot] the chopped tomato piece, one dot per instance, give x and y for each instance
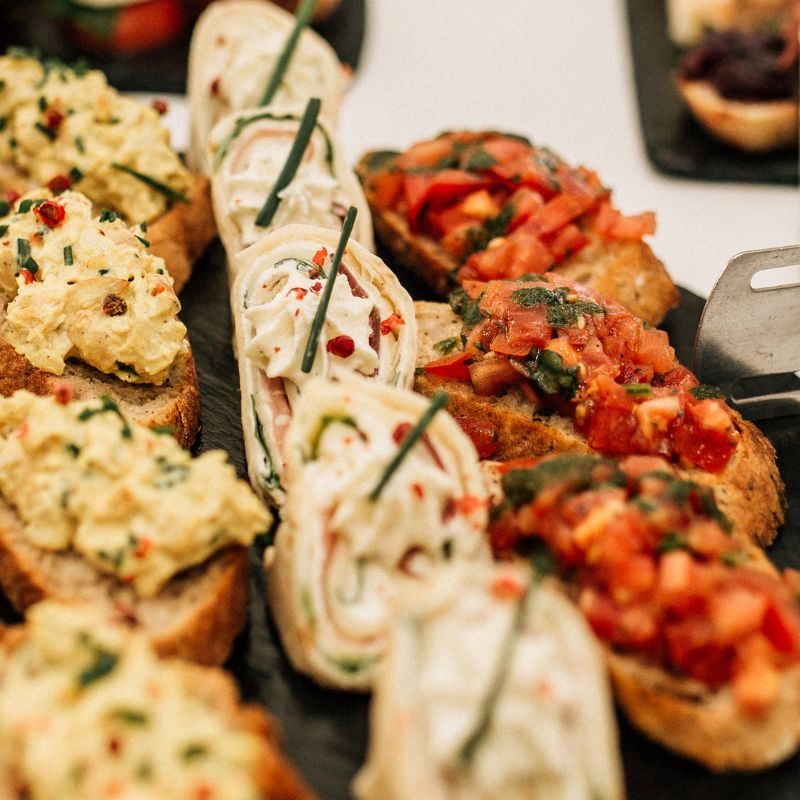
(385, 188)
(482, 433)
(438, 189)
(453, 367)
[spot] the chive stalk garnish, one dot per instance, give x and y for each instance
(438, 402)
(302, 19)
(322, 308)
(473, 741)
(152, 183)
(292, 162)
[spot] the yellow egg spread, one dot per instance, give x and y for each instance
(65, 121)
(88, 710)
(86, 287)
(129, 500)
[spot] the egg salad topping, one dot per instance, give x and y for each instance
(88, 710)
(86, 287)
(67, 124)
(128, 499)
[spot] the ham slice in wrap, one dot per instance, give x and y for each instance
(492, 687)
(235, 47)
(369, 330)
(249, 149)
(341, 556)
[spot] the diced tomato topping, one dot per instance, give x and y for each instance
(506, 587)
(452, 367)
(27, 276)
(391, 323)
(386, 188)
(437, 190)
(482, 433)
(53, 119)
(12, 196)
(62, 392)
(160, 106)
(50, 213)
(341, 346)
(59, 184)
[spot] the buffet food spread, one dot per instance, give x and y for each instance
(498, 513)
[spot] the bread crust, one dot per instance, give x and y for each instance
(756, 127)
(182, 235)
(704, 724)
(749, 491)
(624, 270)
(196, 616)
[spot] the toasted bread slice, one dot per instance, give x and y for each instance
(182, 235)
(756, 127)
(749, 490)
(274, 776)
(196, 616)
(625, 270)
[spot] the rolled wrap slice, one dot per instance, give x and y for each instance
(369, 329)
(235, 47)
(340, 557)
(249, 150)
(492, 687)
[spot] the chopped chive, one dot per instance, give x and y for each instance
(104, 271)
(42, 103)
(302, 19)
(322, 308)
(143, 241)
(75, 174)
(23, 252)
(3, 230)
(108, 216)
(3, 123)
(25, 206)
(152, 183)
(5, 208)
(48, 132)
(79, 144)
(68, 261)
(638, 389)
(31, 266)
(438, 402)
(292, 162)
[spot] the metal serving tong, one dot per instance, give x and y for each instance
(748, 340)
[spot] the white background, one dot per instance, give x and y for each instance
(560, 72)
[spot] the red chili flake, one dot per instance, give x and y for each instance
(27, 276)
(390, 323)
(53, 119)
(341, 346)
(125, 614)
(204, 792)
(506, 587)
(158, 289)
(401, 431)
(315, 287)
(58, 184)
(418, 490)
(469, 503)
(114, 745)
(215, 87)
(12, 196)
(52, 214)
(160, 106)
(297, 312)
(23, 430)
(144, 547)
(62, 392)
(320, 256)
(298, 292)
(277, 349)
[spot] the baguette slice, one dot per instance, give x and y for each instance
(749, 490)
(274, 777)
(625, 270)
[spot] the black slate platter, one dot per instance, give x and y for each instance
(675, 143)
(161, 70)
(326, 732)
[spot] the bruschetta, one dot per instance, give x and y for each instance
(368, 329)
(487, 206)
(546, 365)
(86, 303)
(492, 687)
(64, 127)
(702, 634)
(94, 507)
(89, 710)
(374, 505)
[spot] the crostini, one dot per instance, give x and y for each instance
(547, 365)
(487, 205)
(702, 633)
(250, 53)
(94, 507)
(63, 126)
(383, 494)
(277, 167)
(492, 687)
(368, 328)
(89, 710)
(84, 302)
